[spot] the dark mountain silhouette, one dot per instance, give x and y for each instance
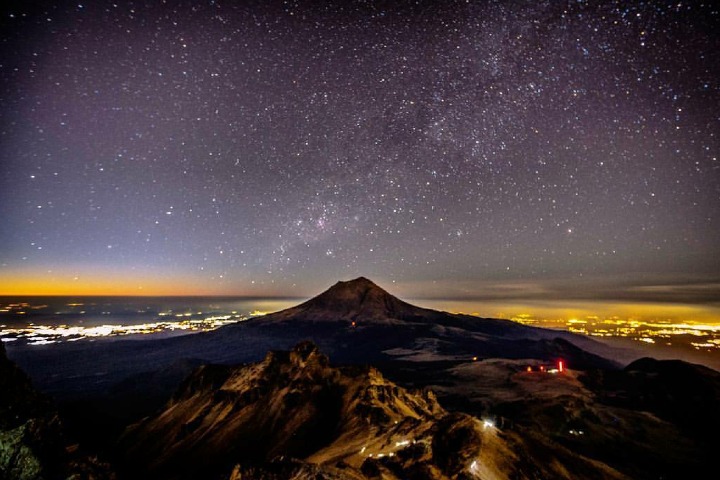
(357, 300)
(359, 322)
(365, 303)
(679, 392)
(30, 439)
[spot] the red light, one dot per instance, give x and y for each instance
(560, 366)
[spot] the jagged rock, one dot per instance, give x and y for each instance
(294, 405)
(32, 446)
(457, 440)
(284, 469)
(30, 442)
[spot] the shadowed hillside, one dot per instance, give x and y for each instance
(32, 444)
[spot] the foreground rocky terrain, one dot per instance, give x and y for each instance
(32, 444)
(295, 416)
(292, 404)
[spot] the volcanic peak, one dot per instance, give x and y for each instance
(358, 299)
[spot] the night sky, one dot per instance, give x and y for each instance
(529, 149)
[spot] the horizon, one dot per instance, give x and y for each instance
(690, 332)
(697, 302)
(519, 308)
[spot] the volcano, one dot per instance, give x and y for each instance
(354, 322)
(357, 321)
(358, 300)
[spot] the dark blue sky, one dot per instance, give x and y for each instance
(569, 149)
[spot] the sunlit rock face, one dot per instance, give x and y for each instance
(294, 415)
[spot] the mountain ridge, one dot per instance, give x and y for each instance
(296, 414)
(291, 404)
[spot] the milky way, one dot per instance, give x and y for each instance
(273, 147)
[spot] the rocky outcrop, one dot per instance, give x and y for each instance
(30, 440)
(295, 416)
(32, 446)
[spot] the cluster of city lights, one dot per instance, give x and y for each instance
(16, 325)
(46, 334)
(699, 336)
(73, 322)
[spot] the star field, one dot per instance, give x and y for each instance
(273, 147)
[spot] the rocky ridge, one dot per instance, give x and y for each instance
(293, 412)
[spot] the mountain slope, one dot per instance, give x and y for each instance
(291, 404)
(359, 322)
(293, 415)
(357, 300)
(677, 393)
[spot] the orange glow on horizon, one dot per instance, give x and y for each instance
(92, 287)
(562, 311)
(99, 283)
